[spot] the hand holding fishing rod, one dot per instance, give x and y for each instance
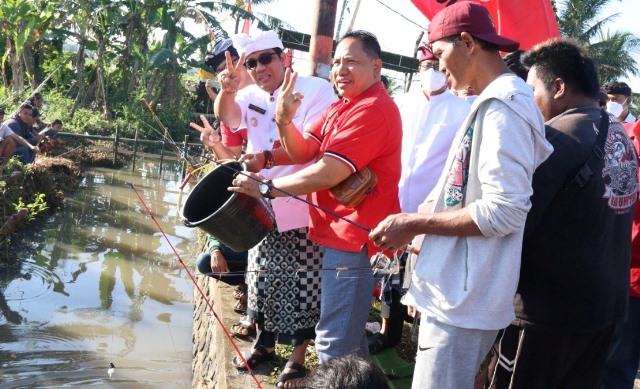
(395, 232)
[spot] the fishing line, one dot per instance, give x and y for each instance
(202, 294)
(289, 194)
(175, 350)
(273, 187)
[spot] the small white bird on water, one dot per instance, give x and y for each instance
(112, 369)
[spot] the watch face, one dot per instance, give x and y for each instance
(263, 188)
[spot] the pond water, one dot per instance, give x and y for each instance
(97, 283)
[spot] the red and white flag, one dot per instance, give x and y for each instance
(526, 21)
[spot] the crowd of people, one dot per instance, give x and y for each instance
(24, 134)
(506, 185)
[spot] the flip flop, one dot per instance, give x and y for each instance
(246, 325)
(240, 292)
(299, 371)
(252, 359)
(241, 306)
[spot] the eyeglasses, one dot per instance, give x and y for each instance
(264, 58)
(426, 65)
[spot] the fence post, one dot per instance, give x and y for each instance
(164, 143)
(185, 152)
(135, 151)
(115, 148)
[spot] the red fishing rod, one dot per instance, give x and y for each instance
(244, 361)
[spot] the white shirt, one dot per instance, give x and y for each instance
(5, 131)
(428, 128)
(630, 118)
(258, 117)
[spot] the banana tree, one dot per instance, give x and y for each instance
(22, 22)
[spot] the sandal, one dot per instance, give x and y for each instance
(377, 343)
(253, 359)
(298, 372)
(240, 292)
(241, 306)
(245, 325)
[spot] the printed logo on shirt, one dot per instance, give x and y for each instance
(458, 176)
(257, 109)
(620, 171)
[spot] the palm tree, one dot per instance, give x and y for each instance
(612, 52)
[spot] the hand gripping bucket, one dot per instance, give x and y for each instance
(237, 220)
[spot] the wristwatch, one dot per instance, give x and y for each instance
(269, 161)
(265, 189)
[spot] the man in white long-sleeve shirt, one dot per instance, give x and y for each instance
(470, 227)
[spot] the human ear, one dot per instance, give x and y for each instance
(559, 88)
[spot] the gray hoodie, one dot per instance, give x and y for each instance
(470, 281)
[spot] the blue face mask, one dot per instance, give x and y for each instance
(471, 99)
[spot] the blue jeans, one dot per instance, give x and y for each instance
(345, 304)
(624, 354)
(24, 154)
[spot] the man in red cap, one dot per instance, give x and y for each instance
(431, 116)
(470, 228)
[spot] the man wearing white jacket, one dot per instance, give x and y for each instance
(469, 229)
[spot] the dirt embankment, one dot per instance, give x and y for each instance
(28, 192)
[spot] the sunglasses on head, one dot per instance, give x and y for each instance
(264, 58)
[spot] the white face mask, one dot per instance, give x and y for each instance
(614, 108)
(432, 80)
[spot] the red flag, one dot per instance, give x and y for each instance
(247, 22)
(526, 21)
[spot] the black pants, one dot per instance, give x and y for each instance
(548, 359)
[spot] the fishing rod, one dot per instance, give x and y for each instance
(202, 294)
(38, 87)
(166, 132)
(410, 248)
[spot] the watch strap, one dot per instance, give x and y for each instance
(269, 160)
(267, 193)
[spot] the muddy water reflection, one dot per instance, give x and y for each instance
(99, 284)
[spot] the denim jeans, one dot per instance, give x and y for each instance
(24, 154)
(621, 366)
(345, 303)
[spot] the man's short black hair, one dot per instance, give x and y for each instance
(617, 88)
(346, 372)
(57, 121)
(26, 105)
(515, 65)
(565, 59)
(487, 46)
(369, 42)
(2, 110)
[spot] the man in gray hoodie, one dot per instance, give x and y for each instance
(469, 229)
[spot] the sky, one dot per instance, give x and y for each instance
(398, 31)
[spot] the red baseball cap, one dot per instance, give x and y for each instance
(425, 53)
(470, 17)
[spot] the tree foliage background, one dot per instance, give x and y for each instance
(101, 58)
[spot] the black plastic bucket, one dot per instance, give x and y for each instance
(237, 220)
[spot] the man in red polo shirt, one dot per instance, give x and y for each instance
(361, 130)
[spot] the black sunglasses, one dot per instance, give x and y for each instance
(264, 58)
